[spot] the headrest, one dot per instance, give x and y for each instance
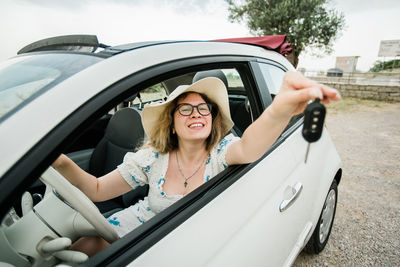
(211, 73)
(125, 128)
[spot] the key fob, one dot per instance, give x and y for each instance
(314, 117)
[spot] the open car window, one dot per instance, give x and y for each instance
(239, 103)
(154, 93)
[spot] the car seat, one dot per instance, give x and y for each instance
(211, 73)
(123, 133)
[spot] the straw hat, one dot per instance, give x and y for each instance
(212, 87)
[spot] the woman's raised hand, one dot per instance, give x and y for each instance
(296, 91)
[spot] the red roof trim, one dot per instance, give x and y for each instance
(273, 42)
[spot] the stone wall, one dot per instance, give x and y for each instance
(361, 89)
(389, 93)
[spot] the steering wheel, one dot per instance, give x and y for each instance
(80, 202)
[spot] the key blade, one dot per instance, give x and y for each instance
(307, 151)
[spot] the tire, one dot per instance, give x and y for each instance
(321, 233)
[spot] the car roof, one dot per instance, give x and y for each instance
(90, 43)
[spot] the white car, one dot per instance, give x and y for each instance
(87, 105)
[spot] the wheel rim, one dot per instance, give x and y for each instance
(327, 216)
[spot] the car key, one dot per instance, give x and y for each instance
(314, 117)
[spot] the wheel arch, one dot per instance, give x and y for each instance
(338, 176)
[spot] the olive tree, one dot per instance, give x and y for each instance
(308, 24)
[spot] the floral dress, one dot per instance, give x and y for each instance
(149, 167)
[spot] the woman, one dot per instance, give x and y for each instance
(188, 144)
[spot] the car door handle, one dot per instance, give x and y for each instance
(286, 203)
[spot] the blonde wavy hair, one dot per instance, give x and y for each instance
(163, 140)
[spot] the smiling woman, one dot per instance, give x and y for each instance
(157, 118)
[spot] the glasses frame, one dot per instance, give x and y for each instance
(197, 107)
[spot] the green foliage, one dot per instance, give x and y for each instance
(234, 79)
(155, 88)
(306, 23)
(385, 65)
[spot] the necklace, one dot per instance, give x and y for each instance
(181, 172)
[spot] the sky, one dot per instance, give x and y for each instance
(125, 21)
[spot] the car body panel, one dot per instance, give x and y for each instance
(221, 237)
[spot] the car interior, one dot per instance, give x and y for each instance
(101, 147)
(124, 132)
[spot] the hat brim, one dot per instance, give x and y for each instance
(212, 87)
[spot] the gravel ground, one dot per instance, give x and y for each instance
(366, 230)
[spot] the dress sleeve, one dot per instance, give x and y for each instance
(136, 166)
(219, 151)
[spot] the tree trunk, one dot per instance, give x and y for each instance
(293, 58)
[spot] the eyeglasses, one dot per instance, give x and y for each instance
(186, 109)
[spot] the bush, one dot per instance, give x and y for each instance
(386, 65)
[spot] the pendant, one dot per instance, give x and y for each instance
(185, 183)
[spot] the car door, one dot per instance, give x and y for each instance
(280, 220)
(305, 187)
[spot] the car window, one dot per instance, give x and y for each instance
(234, 80)
(238, 101)
(230, 76)
(274, 76)
(24, 78)
(154, 93)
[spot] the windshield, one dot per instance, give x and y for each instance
(24, 78)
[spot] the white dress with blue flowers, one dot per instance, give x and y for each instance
(149, 167)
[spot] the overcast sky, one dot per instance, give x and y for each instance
(124, 21)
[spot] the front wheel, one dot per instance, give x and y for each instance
(321, 233)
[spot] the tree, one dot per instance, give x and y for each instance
(386, 65)
(308, 24)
